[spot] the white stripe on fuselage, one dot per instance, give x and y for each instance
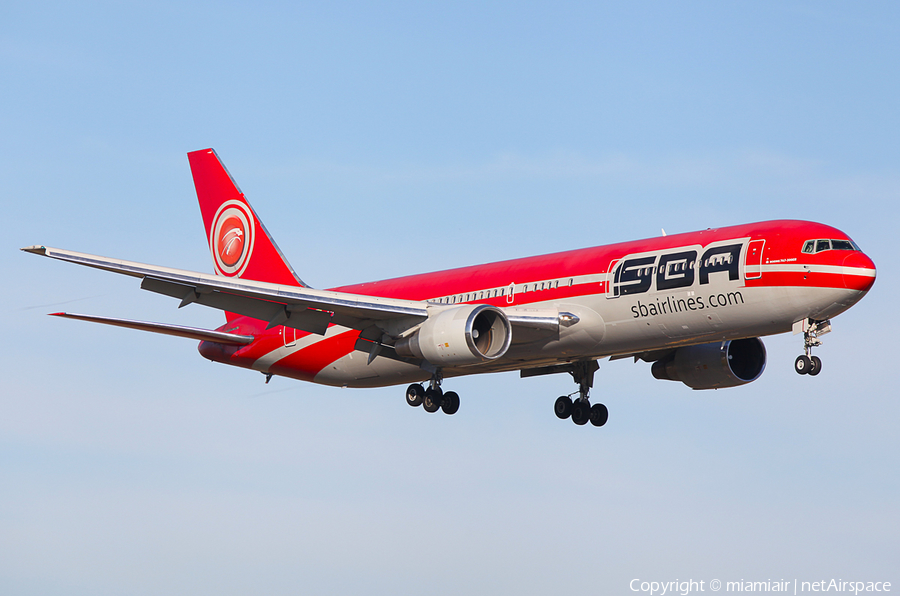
(264, 362)
(800, 268)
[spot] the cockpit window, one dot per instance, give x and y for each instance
(814, 246)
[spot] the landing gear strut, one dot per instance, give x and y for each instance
(807, 364)
(433, 398)
(581, 410)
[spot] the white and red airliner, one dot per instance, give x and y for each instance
(695, 305)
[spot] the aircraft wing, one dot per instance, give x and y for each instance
(299, 307)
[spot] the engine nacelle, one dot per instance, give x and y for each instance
(710, 366)
(468, 334)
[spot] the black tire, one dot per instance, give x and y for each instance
(432, 401)
(450, 403)
(598, 415)
(816, 367)
(581, 412)
(802, 365)
(563, 407)
(415, 393)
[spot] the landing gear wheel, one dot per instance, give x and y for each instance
(816, 367)
(415, 393)
(563, 407)
(803, 364)
(450, 403)
(581, 412)
(432, 401)
(598, 414)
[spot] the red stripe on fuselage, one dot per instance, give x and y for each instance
(812, 279)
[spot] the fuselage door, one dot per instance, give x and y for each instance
(753, 268)
(290, 336)
(610, 278)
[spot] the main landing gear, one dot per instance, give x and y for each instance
(433, 398)
(808, 364)
(581, 409)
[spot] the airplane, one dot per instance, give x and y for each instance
(694, 305)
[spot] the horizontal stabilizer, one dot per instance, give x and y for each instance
(165, 328)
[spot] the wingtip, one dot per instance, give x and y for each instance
(37, 249)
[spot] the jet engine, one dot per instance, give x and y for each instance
(460, 336)
(710, 366)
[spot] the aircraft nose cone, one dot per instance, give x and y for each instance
(859, 272)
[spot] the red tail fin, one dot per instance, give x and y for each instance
(238, 241)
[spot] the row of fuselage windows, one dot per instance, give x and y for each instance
(675, 267)
(814, 246)
(810, 246)
(500, 292)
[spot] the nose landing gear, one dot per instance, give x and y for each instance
(807, 364)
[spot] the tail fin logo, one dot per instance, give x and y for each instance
(231, 238)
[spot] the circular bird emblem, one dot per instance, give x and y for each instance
(231, 238)
(231, 241)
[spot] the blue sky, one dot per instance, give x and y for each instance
(383, 140)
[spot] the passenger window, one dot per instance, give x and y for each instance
(822, 245)
(810, 246)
